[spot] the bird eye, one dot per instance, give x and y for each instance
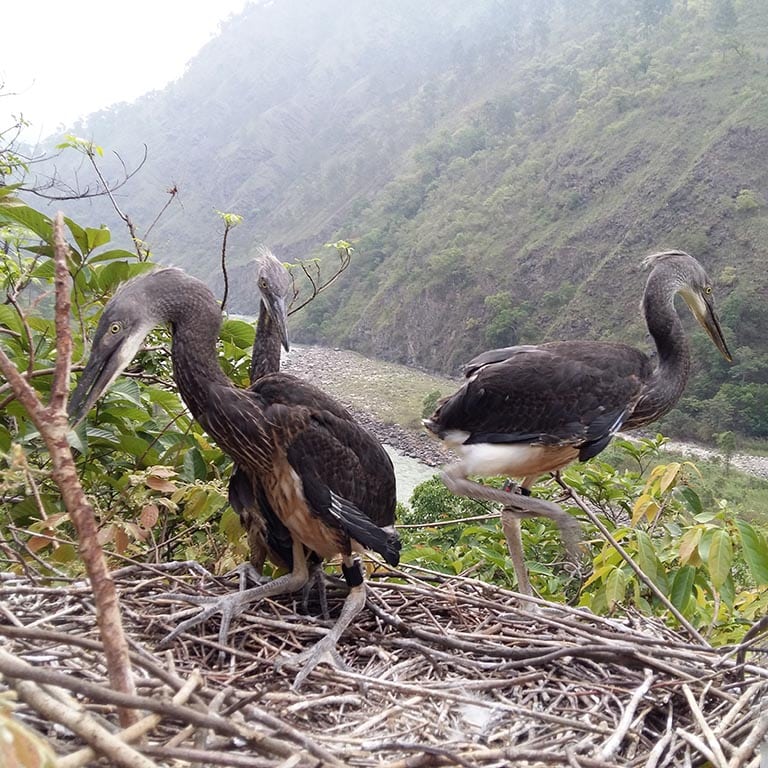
(708, 290)
(114, 328)
(263, 282)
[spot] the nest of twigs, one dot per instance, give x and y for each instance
(441, 671)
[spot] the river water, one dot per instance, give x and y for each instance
(409, 473)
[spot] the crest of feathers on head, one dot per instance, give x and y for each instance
(653, 259)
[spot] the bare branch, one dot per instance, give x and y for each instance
(52, 424)
(60, 385)
(75, 193)
(345, 256)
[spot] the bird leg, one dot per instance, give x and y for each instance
(325, 649)
(510, 524)
(516, 506)
(248, 573)
(317, 580)
(230, 606)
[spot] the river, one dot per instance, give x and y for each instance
(409, 472)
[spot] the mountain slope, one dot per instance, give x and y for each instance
(501, 168)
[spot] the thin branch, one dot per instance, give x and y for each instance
(172, 193)
(224, 266)
(78, 722)
(136, 731)
(83, 194)
(345, 258)
(109, 193)
(51, 423)
(694, 633)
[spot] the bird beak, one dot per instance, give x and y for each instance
(278, 311)
(704, 311)
(100, 371)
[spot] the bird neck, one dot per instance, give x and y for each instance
(266, 346)
(195, 321)
(664, 325)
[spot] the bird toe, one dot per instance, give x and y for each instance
(321, 653)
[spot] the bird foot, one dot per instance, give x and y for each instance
(232, 605)
(322, 652)
(248, 576)
(317, 580)
(229, 606)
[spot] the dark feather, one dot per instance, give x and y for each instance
(574, 393)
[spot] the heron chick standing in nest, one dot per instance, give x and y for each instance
(528, 410)
(328, 482)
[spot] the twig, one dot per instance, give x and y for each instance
(694, 633)
(135, 731)
(78, 722)
(712, 742)
(751, 743)
(610, 746)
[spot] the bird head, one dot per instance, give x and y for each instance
(138, 306)
(274, 284)
(694, 285)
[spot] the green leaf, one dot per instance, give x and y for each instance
(229, 525)
(33, 220)
(755, 551)
(128, 389)
(135, 446)
(45, 270)
(112, 255)
(692, 500)
(238, 332)
(5, 440)
(76, 441)
(615, 587)
(96, 238)
(682, 587)
(719, 557)
(670, 476)
(649, 562)
(194, 466)
(78, 233)
(111, 275)
(10, 319)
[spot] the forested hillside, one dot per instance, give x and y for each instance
(500, 167)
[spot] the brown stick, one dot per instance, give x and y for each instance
(51, 422)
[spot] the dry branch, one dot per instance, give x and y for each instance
(51, 421)
(443, 671)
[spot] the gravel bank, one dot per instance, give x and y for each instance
(331, 369)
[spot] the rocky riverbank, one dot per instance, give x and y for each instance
(337, 370)
(340, 372)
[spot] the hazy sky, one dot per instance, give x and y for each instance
(65, 59)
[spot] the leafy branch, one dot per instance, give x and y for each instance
(52, 423)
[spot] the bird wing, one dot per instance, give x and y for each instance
(576, 393)
(348, 478)
(286, 389)
(494, 356)
(348, 481)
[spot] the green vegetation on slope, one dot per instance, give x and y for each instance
(501, 166)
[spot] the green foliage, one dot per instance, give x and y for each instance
(430, 403)
(155, 481)
(711, 564)
(747, 201)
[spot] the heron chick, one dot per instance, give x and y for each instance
(327, 481)
(528, 410)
